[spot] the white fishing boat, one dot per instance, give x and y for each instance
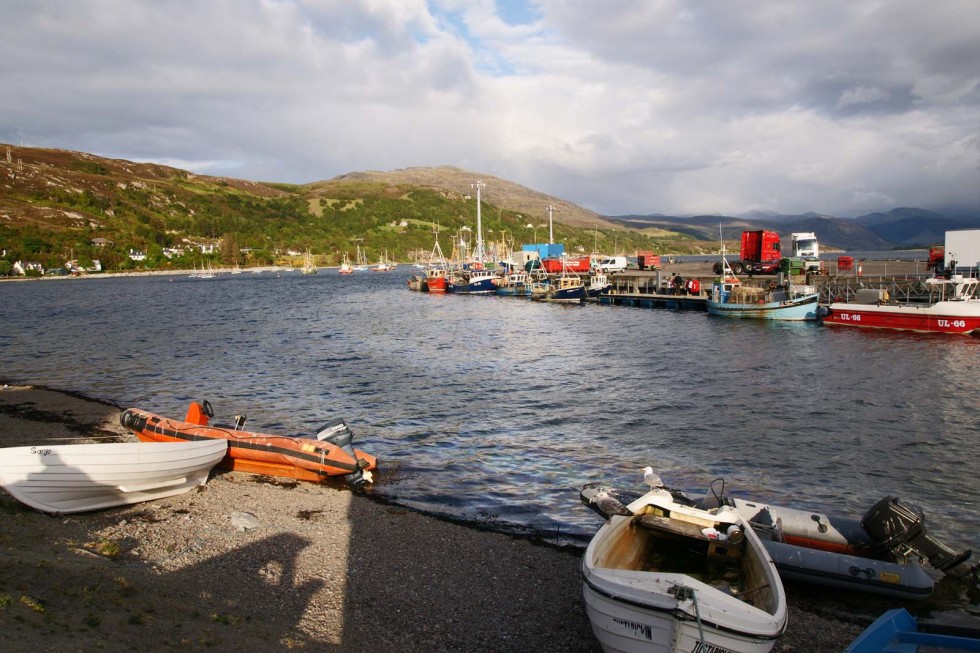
(79, 477)
(309, 265)
(673, 578)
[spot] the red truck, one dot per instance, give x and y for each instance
(760, 254)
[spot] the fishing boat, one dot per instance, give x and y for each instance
(345, 266)
(878, 554)
(596, 284)
(515, 283)
(670, 577)
(566, 288)
(897, 631)
(953, 307)
(309, 265)
(327, 453)
(771, 302)
(383, 264)
(472, 281)
(72, 478)
(436, 278)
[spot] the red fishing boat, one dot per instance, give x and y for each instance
(953, 307)
(314, 458)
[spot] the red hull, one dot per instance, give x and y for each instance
(436, 284)
(915, 319)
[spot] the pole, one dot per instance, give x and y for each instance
(479, 227)
(551, 233)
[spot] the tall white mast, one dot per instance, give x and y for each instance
(479, 227)
(551, 233)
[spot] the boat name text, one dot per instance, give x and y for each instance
(701, 647)
(635, 630)
(43, 452)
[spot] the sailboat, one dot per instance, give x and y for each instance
(309, 266)
(360, 265)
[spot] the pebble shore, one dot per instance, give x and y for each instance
(253, 563)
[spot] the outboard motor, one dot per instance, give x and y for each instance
(338, 434)
(900, 527)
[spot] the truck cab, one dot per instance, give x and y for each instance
(805, 247)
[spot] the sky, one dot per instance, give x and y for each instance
(840, 107)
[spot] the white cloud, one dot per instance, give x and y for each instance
(660, 106)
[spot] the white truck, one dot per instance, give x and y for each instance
(805, 246)
(963, 246)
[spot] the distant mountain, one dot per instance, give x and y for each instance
(898, 228)
(911, 227)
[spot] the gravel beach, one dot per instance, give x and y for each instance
(252, 563)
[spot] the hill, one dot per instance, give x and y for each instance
(59, 204)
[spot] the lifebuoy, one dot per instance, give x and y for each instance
(772, 285)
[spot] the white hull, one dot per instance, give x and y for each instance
(75, 478)
(637, 611)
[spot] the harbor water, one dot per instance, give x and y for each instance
(497, 410)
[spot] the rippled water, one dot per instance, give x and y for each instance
(500, 409)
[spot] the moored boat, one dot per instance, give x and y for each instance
(514, 284)
(418, 283)
(641, 593)
(80, 477)
(878, 554)
(314, 458)
(773, 302)
(436, 278)
(472, 281)
(566, 288)
(345, 266)
(953, 307)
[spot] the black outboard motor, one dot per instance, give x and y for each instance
(900, 527)
(338, 434)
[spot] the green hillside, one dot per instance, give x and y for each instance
(57, 204)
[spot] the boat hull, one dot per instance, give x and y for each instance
(799, 309)
(632, 610)
(76, 478)
(962, 318)
(291, 457)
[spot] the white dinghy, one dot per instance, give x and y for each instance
(671, 578)
(78, 477)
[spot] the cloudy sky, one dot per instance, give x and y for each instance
(621, 106)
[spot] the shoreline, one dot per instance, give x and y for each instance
(325, 569)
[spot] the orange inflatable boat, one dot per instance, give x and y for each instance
(328, 453)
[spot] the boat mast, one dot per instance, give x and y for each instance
(479, 228)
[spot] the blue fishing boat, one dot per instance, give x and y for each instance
(729, 298)
(514, 284)
(472, 282)
(566, 288)
(897, 631)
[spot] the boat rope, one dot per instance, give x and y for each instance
(684, 593)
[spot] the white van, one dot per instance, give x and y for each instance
(613, 264)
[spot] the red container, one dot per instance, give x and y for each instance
(577, 264)
(845, 263)
(647, 260)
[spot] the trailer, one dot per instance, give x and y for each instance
(962, 253)
(759, 254)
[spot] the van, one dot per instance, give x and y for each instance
(613, 264)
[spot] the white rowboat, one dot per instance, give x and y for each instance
(79, 477)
